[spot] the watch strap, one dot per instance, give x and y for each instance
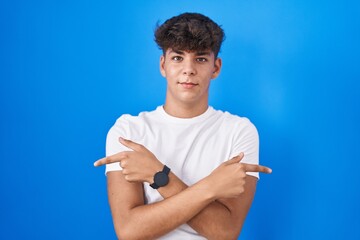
(166, 170)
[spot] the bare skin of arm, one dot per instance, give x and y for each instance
(222, 218)
(134, 220)
(215, 207)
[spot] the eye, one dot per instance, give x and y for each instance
(177, 58)
(201, 60)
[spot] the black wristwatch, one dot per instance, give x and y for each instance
(161, 178)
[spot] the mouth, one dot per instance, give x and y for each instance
(188, 85)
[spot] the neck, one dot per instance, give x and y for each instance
(185, 110)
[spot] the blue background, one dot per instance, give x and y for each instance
(68, 69)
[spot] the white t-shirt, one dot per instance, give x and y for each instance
(191, 147)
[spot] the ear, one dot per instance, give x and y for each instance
(162, 66)
(217, 68)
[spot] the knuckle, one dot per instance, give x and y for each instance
(123, 163)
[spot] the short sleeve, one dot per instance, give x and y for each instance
(246, 140)
(113, 146)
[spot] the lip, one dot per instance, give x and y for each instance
(188, 85)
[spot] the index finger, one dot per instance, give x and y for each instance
(130, 144)
(256, 168)
(111, 159)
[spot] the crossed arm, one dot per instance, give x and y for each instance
(215, 207)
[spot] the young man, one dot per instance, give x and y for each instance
(184, 170)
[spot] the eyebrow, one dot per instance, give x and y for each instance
(177, 52)
(197, 53)
(203, 53)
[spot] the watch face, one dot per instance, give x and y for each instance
(161, 179)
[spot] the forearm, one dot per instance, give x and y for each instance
(199, 205)
(208, 215)
(154, 220)
(213, 221)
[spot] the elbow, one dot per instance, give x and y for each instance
(123, 233)
(226, 234)
(231, 232)
(127, 233)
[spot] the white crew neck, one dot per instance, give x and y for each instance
(209, 111)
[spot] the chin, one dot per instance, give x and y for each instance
(189, 99)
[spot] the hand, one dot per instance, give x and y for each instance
(228, 179)
(139, 165)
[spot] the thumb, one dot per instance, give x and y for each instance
(235, 159)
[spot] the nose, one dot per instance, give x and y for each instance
(189, 67)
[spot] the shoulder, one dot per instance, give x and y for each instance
(236, 122)
(126, 126)
(127, 123)
(128, 119)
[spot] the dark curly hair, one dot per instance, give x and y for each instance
(189, 32)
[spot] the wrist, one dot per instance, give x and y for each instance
(157, 167)
(206, 186)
